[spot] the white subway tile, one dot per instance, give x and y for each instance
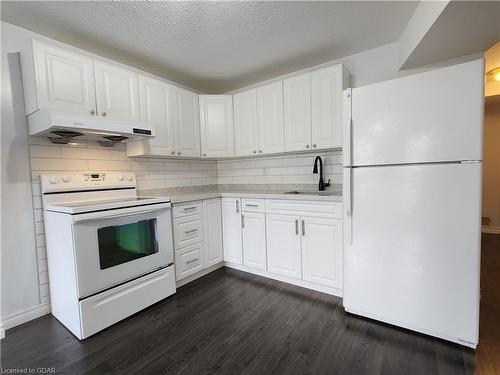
(41, 253)
(118, 155)
(43, 277)
(39, 228)
(37, 189)
(283, 171)
(40, 164)
(42, 265)
(48, 151)
(37, 202)
(44, 290)
(109, 165)
(40, 240)
(85, 153)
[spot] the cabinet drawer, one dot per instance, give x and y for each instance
(331, 210)
(188, 231)
(188, 261)
(185, 209)
(253, 205)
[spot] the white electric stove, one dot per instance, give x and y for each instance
(109, 251)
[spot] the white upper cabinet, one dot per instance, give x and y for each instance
(157, 110)
(186, 123)
(216, 125)
(245, 123)
(297, 112)
(117, 92)
(270, 130)
(326, 100)
(63, 80)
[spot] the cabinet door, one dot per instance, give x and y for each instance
(231, 229)
(216, 125)
(117, 92)
(254, 240)
(297, 98)
(283, 245)
(322, 251)
(186, 123)
(271, 138)
(245, 126)
(156, 110)
(64, 80)
(326, 102)
(212, 221)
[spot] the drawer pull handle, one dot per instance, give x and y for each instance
(243, 221)
(303, 228)
(189, 208)
(191, 231)
(252, 205)
(296, 227)
(237, 206)
(192, 261)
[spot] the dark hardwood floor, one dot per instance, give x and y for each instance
(230, 322)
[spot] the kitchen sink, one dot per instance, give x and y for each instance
(327, 193)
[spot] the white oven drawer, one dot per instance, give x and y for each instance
(253, 205)
(188, 261)
(111, 306)
(185, 209)
(188, 231)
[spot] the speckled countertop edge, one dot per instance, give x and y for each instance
(180, 195)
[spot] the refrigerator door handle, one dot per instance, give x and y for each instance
(347, 126)
(348, 204)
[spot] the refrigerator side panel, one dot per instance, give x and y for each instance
(415, 253)
(434, 116)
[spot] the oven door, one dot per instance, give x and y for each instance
(115, 246)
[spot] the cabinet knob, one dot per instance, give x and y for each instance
(204, 154)
(173, 152)
(92, 112)
(260, 151)
(314, 145)
(178, 153)
(254, 151)
(103, 114)
(307, 146)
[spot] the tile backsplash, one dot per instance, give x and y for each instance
(156, 173)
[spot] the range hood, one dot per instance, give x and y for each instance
(64, 127)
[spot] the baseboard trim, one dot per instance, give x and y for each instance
(285, 279)
(490, 230)
(24, 316)
(199, 274)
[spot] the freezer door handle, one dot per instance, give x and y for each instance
(347, 126)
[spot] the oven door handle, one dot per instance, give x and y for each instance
(119, 212)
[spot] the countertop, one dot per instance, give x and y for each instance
(192, 194)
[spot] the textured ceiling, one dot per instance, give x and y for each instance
(215, 46)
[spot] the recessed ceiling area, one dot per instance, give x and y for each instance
(215, 46)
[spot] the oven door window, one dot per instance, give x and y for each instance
(124, 243)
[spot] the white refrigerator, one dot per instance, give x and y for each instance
(412, 201)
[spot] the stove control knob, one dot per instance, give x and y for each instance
(66, 179)
(120, 177)
(130, 177)
(53, 180)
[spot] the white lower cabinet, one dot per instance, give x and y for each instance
(197, 236)
(254, 240)
(283, 245)
(212, 224)
(231, 229)
(321, 258)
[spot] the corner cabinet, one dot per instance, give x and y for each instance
(216, 126)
